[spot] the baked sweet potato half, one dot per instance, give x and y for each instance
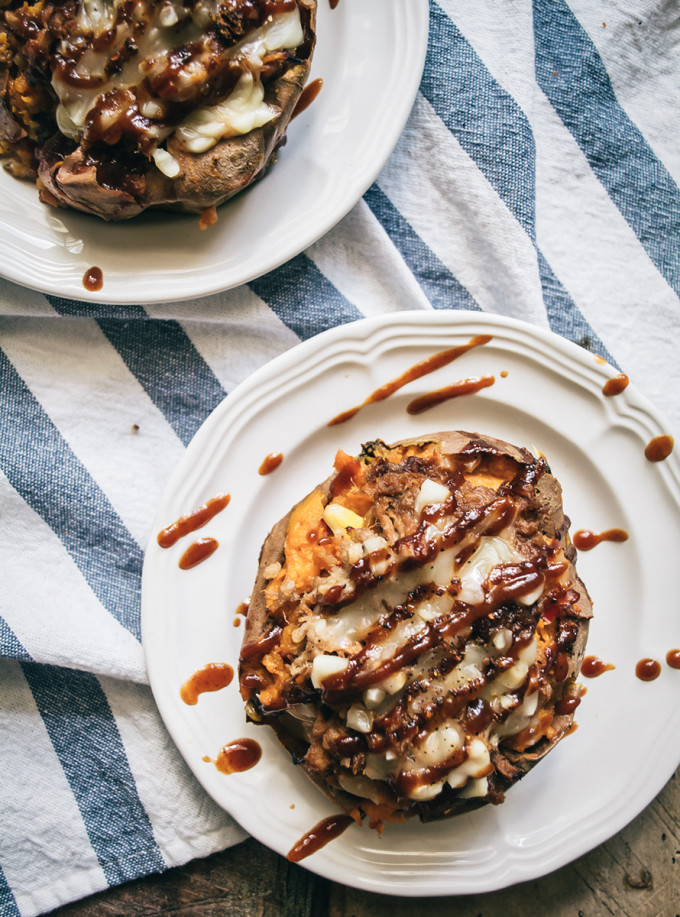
(417, 626)
(117, 106)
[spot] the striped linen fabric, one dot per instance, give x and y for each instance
(537, 177)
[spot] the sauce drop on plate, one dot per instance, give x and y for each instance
(197, 518)
(648, 669)
(238, 756)
(659, 448)
(319, 836)
(593, 667)
(211, 677)
(585, 540)
(93, 279)
(673, 659)
(307, 96)
(270, 463)
(197, 552)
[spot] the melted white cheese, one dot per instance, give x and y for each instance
(441, 743)
(97, 15)
(243, 111)
(240, 113)
(167, 164)
(345, 629)
(349, 625)
(342, 630)
(475, 764)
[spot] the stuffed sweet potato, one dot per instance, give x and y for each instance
(417, 626)
(116, 106)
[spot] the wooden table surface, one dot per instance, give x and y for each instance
(636, 874)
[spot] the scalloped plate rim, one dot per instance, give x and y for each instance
(358, 340)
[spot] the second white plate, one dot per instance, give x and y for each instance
(547, 394)
(370, 57)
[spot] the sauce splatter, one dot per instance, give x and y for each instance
(567, 705)
(320, 835)
(197, 552)
(585, 540)
(307, 96)
(238, 756)
(648, 669)
(615, 385)
(258, 648)
(241, 612)
(192, 521)
(673, 659)
(422, 368)
(211, 677)
(593, 667)
(270, 463)
(93, 279)
(659, 448)
(462, 387)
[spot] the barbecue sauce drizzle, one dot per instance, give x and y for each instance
(462, 387)
(196, 519)
(422, 368)
(325, 831)
(585, 540)
(197, 552)
(211, 677)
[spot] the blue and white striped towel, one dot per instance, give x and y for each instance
(537, 177)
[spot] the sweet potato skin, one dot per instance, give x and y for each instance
(510, 765)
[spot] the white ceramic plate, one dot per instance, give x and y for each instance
(628, 741)
(370, 57)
